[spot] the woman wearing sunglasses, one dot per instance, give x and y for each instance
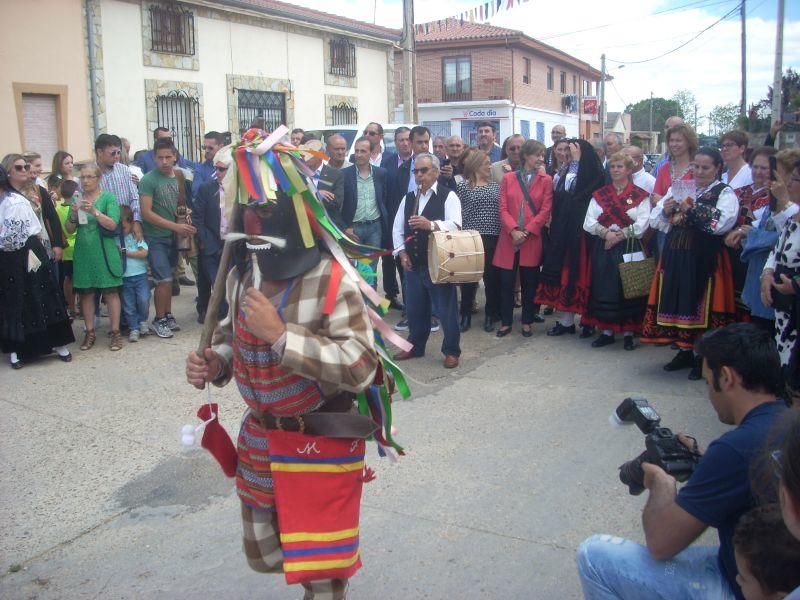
(33, 314)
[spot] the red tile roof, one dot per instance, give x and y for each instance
(313, 17)
(454, 29)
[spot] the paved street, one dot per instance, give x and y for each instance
(511, 463)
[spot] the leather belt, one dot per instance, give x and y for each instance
(333, 420)
(366, 222)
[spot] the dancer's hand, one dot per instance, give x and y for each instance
(261, 317)
(202, 369)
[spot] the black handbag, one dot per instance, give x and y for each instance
(782, 302)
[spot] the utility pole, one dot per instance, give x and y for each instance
(602, 96)
(743, 105)
(409, 84)
(777, 81)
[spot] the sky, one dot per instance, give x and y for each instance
(629, 31)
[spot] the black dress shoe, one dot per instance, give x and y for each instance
(396, 304)
(466, 322)
(488, 324)
(629, 345)
(603, 340)
(684, 359)
(548, 310)
(185, 281)
(697, 369)
(201, 317)
(66, 358)
(538, 319)
(587, 331)
(503, 332)
(527, 332)
(17, 365)
(559, 329)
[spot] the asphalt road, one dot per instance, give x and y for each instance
(511, 463)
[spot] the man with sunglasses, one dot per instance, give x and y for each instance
(212, 142)
(430, 207)
(742, 370)
(116, 178)
(512, 162)
(210, 220)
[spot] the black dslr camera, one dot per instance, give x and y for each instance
(663, 447)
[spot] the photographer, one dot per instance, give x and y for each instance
(742, 370)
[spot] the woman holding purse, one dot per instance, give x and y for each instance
(779, 280)
(526, 198)
(618, 213)
(97, 266)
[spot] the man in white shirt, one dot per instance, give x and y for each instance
(733, 145)
(641, 178)
(432, 208)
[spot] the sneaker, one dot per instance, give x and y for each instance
(133, 336)
(144, 328)
(402, 325)
(171, 322)
(161, 329)
(434, 325)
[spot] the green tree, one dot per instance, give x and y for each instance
(686, 101)
(724, 117)
(640, 113)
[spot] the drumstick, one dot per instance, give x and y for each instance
(217, 293)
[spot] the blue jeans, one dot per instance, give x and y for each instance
(422, 296)
(163, 257)
(613, 567)
(370, 233)
(209, 265)
(135, 300)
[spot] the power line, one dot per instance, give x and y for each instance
(691, 6)
(714, 24)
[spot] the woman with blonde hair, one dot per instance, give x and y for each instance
(97, 266)
(480, 198)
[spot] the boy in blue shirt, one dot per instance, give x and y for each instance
(135, 290)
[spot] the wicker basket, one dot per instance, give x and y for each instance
(636, 277)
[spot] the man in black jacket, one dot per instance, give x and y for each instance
(209, 219)
(364, 209)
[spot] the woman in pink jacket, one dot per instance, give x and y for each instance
(526, 198)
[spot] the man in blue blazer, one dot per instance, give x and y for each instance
(209, 219)
(364, 212)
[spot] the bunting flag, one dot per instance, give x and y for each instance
(481, 13)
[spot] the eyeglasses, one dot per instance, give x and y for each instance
(421, 170)
(22, 168)
(88, 176)
(728, 146)
(220, 169)
(115, 152)
(777, 466)
(514, 148)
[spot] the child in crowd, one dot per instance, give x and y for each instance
(767, 555)
(135, 290)
(65, 189)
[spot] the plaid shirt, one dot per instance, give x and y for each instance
(118, 181)
(337, 350)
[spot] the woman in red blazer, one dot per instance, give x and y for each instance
(520, 242)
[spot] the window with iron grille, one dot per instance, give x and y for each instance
(457, 78)
(171, 29)
(525, 128)
(343, 58)
(180, 113)
(344, 114)
(255, 104)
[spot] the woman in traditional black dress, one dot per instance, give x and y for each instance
(564, 280)
(618, 213)
(33, 315)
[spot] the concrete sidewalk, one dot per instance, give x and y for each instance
(511, 464)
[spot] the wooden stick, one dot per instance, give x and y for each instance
(217, 294)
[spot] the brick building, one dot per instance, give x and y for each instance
(470, 72)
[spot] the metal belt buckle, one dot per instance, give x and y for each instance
(301, 426)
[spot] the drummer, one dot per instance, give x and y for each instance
(429, 208)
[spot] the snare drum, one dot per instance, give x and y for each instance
(455, 256)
